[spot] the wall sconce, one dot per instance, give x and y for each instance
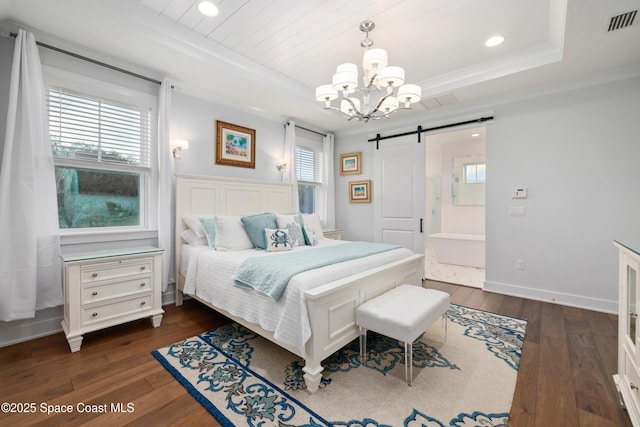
(177, 145)
(281, 166)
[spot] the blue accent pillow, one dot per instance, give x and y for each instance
(255, 225)
(209, 228)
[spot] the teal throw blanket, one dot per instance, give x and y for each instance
(271, 274)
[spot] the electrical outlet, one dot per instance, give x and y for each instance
(520, 264)
(516, 210)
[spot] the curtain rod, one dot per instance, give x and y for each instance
(420, 129)
(307, 129)
(312, 131)
(93, 61)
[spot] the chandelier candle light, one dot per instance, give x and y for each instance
(380, 79)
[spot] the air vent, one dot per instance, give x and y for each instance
(439, 101)
(623, 20)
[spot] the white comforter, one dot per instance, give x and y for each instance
(209, 277)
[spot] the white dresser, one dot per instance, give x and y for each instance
(628, 377)
(109, 287)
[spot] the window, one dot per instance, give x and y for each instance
(102, 162)
(309, 175)
(474, 173)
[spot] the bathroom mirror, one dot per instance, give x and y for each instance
(468, 180)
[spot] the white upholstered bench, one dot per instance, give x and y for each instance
(403, 313)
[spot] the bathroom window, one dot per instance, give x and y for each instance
(474, 173)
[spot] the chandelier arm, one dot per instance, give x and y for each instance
(357, 117)
(370, 85)
(357, 111)
(375, 110)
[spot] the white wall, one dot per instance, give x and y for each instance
(578, 153)
(354, 219)
(194, 119)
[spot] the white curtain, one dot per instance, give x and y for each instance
(30, 274)
(290, 155)
(166, 185)
(328, 189)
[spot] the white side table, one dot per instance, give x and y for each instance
(110, 287)
(333, 234)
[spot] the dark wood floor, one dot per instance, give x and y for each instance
(568, 358)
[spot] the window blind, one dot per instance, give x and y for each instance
(98, 131)
(308, 165)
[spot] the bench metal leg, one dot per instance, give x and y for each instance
(408, 362)
(363, 345)
(445, 324)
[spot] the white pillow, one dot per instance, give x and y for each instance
(230, 234)
(193, 223)
(293, 223)
(277, 240)
(312, 221)
(191, 238)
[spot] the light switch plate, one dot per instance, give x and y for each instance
(519, 193)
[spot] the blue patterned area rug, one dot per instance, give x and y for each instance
(244, 380)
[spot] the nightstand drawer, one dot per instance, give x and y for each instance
(115, 269)
(104, 312)
(106, 291)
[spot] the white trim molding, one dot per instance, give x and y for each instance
(546, 295)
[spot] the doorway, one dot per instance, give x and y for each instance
(455, 206)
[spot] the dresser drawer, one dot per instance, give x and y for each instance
(632, 379)
(96, 293)
(110, 270)
(100, 313)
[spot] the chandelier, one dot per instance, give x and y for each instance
(382, 93)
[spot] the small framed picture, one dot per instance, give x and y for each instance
(350, 163)
(360, 191)
(235, 145)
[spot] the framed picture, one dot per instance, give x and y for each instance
(360, 191)
(350, 163)
(235, 145)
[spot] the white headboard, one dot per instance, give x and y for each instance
(213, 195)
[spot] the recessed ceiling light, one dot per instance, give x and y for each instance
(207, 8)
(475, 135)
(494, 41)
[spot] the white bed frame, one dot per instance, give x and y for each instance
(331, 307)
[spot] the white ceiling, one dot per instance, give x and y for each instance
(267, 56)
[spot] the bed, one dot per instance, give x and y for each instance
(316, 314)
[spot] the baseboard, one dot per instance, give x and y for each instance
(570, 300)
(47, 322)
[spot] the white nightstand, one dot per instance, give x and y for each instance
(109, 287)
(333, 234)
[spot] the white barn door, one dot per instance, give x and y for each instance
(399, 192)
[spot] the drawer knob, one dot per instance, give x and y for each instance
(143, 303)
(94, 275)
(94, 293)
(94, 314)
(143, 284)
(143, 267)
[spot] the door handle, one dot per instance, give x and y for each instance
(421, 219)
